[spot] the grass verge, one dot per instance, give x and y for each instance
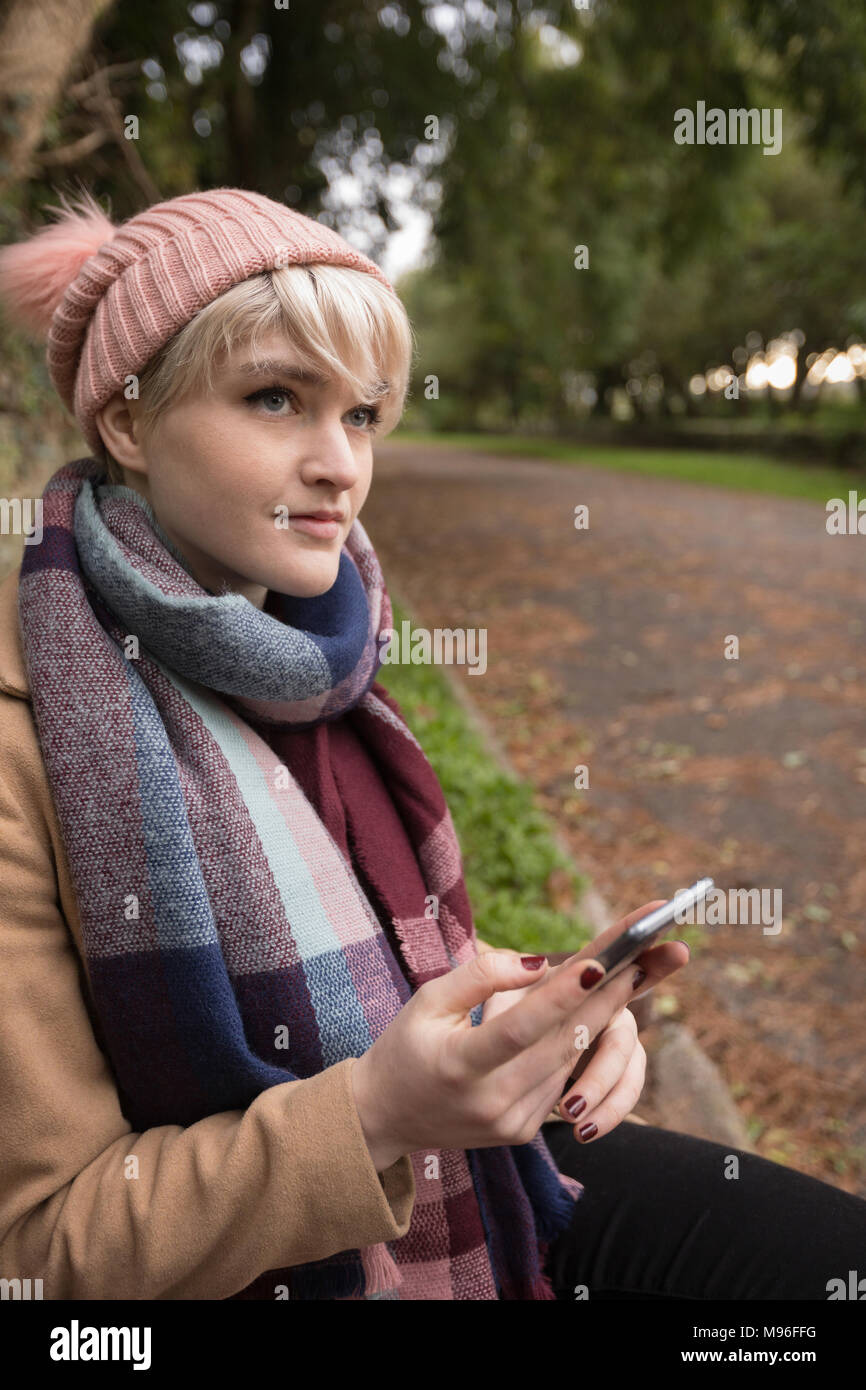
(738, 471)
(515, 872)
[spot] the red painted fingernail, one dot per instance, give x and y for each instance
(587, 1132)
(591, 976)
(638, 977)
(532, 962)
(575, 1106)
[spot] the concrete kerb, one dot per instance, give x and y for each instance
(689, 1089)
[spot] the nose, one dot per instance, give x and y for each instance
(328, 455)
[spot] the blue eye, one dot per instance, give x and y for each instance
(267, 396)
(372, 413)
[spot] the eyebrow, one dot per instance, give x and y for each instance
(290, 371)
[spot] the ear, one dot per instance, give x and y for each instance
(117, 426)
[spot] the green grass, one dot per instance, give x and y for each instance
(506, 842)
(739, 471)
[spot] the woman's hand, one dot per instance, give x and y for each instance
(432, 1080)
(612, 1068)
(611, 1076)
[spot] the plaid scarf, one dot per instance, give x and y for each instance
(217, 911)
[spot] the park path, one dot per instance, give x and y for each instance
(605, 647)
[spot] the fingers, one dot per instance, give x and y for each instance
(559, 1001)
(612, 1052)
(659, 962)
(547, 1016)
(563, 1050)
(597, 945)
(474, 982)
(599, 1118)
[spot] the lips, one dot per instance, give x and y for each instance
(322, 526)
(320, 516)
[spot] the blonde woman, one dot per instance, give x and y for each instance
(250, 1045)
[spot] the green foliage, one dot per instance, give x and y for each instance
(819, 47)
(773, 266)
(538, 153)
(34, 427)
(506, 842)
(743, 472)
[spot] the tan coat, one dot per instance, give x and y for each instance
(287, 1180)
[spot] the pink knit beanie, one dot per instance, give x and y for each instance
(109, 297)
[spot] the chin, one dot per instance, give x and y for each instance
(309, 585)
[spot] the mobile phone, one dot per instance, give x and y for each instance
(643, 933)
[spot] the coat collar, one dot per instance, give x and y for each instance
(13, 676)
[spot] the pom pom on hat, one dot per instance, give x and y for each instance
(36, 273)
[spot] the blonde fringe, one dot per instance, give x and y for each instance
(342, 323)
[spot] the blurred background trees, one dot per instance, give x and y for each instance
(723, 291)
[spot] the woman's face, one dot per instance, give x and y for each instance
(231, 474)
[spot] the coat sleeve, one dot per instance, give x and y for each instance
(214, 1204)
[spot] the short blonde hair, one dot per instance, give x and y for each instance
(342, 323)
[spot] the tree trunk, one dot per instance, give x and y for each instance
(803, 407)
(243, 149)
(38, 46)
(606, 378)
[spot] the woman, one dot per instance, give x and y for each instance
(250, 1044)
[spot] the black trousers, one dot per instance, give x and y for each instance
(661, 1220)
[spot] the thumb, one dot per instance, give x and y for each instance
(477, 979)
